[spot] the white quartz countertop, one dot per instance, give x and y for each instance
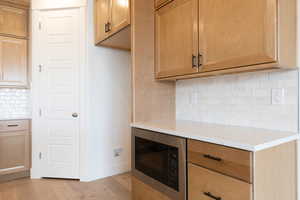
(15, 118)
(250, 139)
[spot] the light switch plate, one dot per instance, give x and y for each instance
(278, 96)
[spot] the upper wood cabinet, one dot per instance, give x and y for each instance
(102, 17)
(231, 36)
(234, 33)
(176, 38)
(19, 3)
(13, 62)
(13, 22)
(112, 20)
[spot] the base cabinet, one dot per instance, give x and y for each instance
(274, 174)
(14, 147)
(205, 184)
(142, 191)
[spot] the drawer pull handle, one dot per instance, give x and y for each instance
(212, 196)
(12, 125)
(212, 157)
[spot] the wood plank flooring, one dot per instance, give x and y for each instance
(112, 188)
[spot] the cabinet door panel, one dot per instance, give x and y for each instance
(13, 21)
(234, 34)
(13, 60)
(102, 14)
(120, 14)
(14, 152)
(176, 38)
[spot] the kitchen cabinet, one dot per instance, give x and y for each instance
(218, 172)
(13, 22)
(101, 19)
(235, 163)
(18, 3)
(112, 23)
(205, 184)
(14, 147)
(177, 39)
(13, 62)
(160, 3)
(218, 37)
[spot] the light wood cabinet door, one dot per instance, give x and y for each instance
(205, 184)
(120, 14)
(234, 34)
(176, 38)
(13, 61)
(14, 152)
(13, 21)
(102, 18)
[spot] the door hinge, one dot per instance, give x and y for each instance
(40, 68)
(40, 25)
(40, 112)
(40, 155)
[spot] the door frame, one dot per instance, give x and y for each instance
(36, 172)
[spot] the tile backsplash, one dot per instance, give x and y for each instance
(14, 103)
(241, 99)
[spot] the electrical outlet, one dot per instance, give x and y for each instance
(117, 152)
(278, 96)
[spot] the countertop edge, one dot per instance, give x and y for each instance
(252, 148)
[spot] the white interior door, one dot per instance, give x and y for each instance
(59, 93)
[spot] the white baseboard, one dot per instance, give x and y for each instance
(107, 171)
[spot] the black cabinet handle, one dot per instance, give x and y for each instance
(212, 157)
(199, 60)
(212, 196)
(107, 27)
(12, 125)
(194, 61)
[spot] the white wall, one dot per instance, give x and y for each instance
(240, 99)
(109, 107)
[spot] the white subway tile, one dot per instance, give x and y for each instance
(241, 99)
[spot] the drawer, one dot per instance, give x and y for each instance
(14, 125)
(161, 3)
(205, 184)
(229, 161)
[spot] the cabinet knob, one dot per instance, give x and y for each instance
(75, 115)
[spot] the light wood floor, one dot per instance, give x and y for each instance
(112, 188)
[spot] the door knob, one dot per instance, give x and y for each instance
(75, 115)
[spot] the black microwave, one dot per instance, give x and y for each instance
(159, 160)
